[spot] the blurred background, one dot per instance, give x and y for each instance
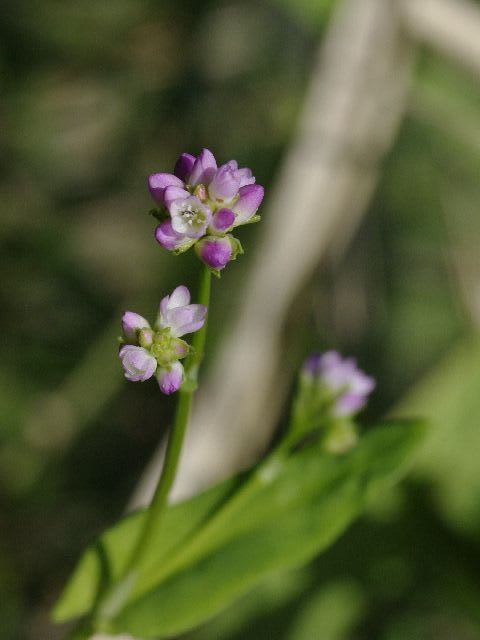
(361, 118)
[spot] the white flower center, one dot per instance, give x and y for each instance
(193, 217)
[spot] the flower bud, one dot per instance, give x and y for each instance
(145, 338)
(204, 168)
(132, 323)
(138, 364)
(250, 199)
(346, 384)
(184, 166)
(158, 182)
(215, 252)
(170, 378)
(225, 183)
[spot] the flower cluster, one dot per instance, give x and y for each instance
(158, 350)
(204, 204)
(340, 379)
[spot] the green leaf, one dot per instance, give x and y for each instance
(331, 612)
(279, 516)
(289, 520)
(104, 561)
(449, 396)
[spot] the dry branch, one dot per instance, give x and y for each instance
(450, 27)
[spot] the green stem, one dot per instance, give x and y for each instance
(198, 342)
(159, 500)
(114, 599)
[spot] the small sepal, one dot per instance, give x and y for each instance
(183, 248)
(237, 249)
(252, 220)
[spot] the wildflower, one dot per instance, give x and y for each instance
(147, 351)
(341, 380)
(204, 203)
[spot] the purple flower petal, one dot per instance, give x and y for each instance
(341, 377)
(222, 220)
(158, 182)
(362, 384)
(225, 183)
(312, 365)
(184, 166)
(246, 177)
(214, 252)
(251, 197)
(168, 237)
(203, 169)
(131, 324)
(337, 373)
(187, 319)
(179, 297)
(174, 193)
(138, 364)
(349, 404)
(179, 315)
(170, 379)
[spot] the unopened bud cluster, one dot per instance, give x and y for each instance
(332, 391)
(340, 380)
(204, 203)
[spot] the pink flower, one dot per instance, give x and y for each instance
(159, 350)
(202, 200)
(179, 315)
(349, 386)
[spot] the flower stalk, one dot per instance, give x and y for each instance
(177, 433)
(114, 599)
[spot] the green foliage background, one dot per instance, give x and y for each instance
(95, 96)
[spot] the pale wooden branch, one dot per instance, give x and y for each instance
(450, 27)
(352, 111)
